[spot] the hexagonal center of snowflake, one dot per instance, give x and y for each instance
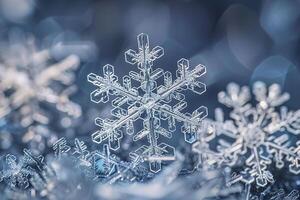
(148, 102)
(253, 136)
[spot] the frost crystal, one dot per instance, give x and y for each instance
(258, 133)
(153, 104)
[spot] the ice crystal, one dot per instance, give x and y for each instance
(148, 102)
(260, 133)
(60, 147)
(18, 172)
(169, 185)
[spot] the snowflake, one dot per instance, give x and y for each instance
(148, 102)
(258, 133)
(30, 77)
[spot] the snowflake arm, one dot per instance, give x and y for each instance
(37, 161)
(59, 71)
(109, 128)
(60, 147)
(280, 147)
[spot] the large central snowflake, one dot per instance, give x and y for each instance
(258, 133)
(149, 102)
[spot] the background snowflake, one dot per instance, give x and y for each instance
(31, 82)
(259, 133)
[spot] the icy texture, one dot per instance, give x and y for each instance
(148, 102)
(31, 175)
(63, 179)
(260, 133)
(168, 185)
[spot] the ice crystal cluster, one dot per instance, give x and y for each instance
(30, 173)
(153, 104)
(101, 164)
(74, 168)
(24, 172)
(262, 134)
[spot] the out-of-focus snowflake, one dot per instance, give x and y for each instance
(30, 81)
(26, 76)
(153, 104)
(14, 194)
(258, 133)
(207, 158)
